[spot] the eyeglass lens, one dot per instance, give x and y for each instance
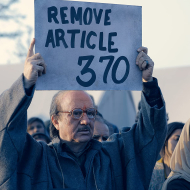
(77, 113)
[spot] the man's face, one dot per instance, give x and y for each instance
(71, 129)
(35, 127)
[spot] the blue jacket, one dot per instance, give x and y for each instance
(125, 162)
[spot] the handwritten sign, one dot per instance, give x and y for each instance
(88, 46)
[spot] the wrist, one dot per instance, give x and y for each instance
(149, 80)
(26, 83)
(27, 86)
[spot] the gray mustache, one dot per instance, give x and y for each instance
(86, 127)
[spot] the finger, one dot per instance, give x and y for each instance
(42, 63)
(40, 70)
(39, 73)
(144, 49)
(30, 50)
(141, 60)
(37, 56)
(141, 54)
(37, 62)
(44, 71)
(145, 65)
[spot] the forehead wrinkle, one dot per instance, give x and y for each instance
(75, 99)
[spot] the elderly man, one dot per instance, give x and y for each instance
(74, 160)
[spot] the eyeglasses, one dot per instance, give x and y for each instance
(78, 113)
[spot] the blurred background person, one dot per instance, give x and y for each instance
(179, 178)
(101, 130)
(36, 128)
(35, 125)
(162, 167)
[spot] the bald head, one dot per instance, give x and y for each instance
(73, 98)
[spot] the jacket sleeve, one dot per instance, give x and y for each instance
(152, 123)
(13, 125)
(140, 144)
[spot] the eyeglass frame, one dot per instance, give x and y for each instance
(83, 111)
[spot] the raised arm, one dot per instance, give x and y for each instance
(34, 66)
(152, 120)
(14, 103)
(140, 144)
(148, 134)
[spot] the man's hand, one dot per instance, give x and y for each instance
(145, 64)
(34, 66)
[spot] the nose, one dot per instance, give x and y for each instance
(35, 130)
(84, 120)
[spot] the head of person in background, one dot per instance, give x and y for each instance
(162, 167)
(101, 130)
(179, 178)
(35, 125)
(172, 138)
(41, 137)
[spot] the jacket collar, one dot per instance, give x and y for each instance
(61, 146)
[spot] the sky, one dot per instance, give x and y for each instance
(165, 31)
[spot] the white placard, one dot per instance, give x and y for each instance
(88, 46)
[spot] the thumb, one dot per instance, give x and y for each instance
(30, 50)
(144, 49)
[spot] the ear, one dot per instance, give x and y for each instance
(55, 122)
